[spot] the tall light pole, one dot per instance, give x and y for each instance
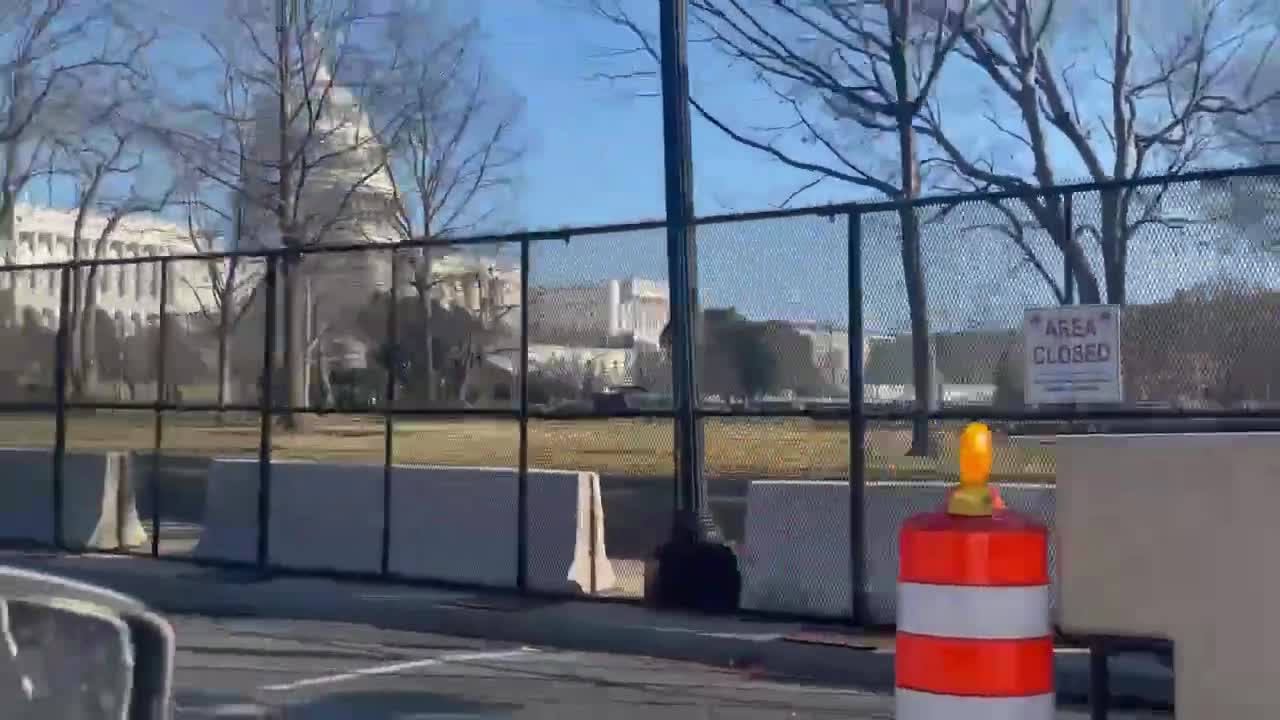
(695, 569)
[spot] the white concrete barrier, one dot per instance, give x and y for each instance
(323, 516)
(99, 508)
(436, 532)
(1174, 537)
(566, 550)
(796, 554)
(230, 512)
(456, 524)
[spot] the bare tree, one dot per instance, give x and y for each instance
(314, 169)
(52, 52)
(104, 161)
(456, 149)
(1165, 91)
(871, 65)
(231, 284)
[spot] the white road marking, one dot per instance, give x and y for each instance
(401, 667)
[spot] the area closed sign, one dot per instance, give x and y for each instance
(1072, 354)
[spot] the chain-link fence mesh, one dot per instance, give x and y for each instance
(598, 306)
(413, 357)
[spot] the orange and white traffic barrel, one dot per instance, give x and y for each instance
(975, 638)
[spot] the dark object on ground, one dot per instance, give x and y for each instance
(691, 574)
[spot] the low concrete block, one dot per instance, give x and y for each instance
(326, 516)
(323, 516)
(1174, 536)
(99, 509)
(566, 550)
(796, 555)
(231, 513)
(455, 524)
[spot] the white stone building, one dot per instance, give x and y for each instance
(633, 309)
(129, 293)
(346, 194)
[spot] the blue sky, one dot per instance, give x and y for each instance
(595, 157)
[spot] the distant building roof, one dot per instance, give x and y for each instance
(967, 358)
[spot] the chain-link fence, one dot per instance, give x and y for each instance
(497, 411)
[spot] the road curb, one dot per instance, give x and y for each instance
(571, 626)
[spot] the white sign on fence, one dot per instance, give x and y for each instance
(1072, 354)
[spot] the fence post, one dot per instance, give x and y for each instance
(1068, 272)
(522, 478)
(388, 419)
(162, 395)
(62, 346)
(857, 428)
(267, 406)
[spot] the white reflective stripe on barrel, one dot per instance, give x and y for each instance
(978, 613)
(912, 705)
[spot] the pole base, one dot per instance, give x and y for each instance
(693, 573)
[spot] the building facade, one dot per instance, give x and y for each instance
(632, 311)
(128, 293)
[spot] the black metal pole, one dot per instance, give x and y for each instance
(162, 385)
(267, 407)
(857, 429)
(1099, 680)
(696, 569)
(692, 521)
(388, 416)
(62, 347)
(522, 477)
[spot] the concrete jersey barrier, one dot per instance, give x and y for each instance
(99, 509)
(454, 524)
(1174, 537)
(796, 550)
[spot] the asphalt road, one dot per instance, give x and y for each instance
(256, 668)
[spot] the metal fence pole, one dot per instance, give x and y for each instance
(1068, 272)
(267, 407)
(693, 521)
(857, 429)
(522, 480)
(62, 347)
(388, 418)
(1099, 680)
(162, 394)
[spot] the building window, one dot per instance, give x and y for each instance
(24, 241)
(45, 243)
(122, 279)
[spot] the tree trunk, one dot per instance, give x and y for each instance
(295, 344)
(1114, 248)
(88, 338)
(224, 359)
(922, 376)
(428, 333)
(326, 383)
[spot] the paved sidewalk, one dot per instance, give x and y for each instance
(785, 649)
